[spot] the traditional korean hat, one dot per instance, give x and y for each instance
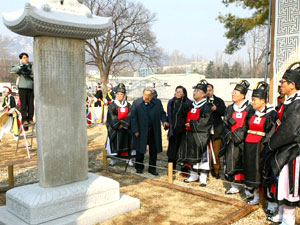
(261, 90)
(6, 89)
(293, 75)
(121, 88)
(242, 87)
(202, 85)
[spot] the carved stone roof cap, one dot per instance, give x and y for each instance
(52, 18)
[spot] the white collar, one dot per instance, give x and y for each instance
(292, 98)
(199, 104)
(121, 104)
(242, 107)
(266, 110)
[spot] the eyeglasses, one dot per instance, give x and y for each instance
(282, 81)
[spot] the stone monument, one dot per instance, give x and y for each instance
(67, 193)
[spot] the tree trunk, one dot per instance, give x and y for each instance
(103, 79)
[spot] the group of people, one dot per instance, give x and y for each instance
(96, 104)
(260, 144)
(25, 105)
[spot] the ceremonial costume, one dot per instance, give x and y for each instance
(284, 147)
(235, 133)
(194, 149)
(261, 127)
(9, 106)
(118, 127)
(110, 94)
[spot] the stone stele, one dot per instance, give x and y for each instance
(66, 194)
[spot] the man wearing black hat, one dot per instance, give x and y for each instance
(118, 125)
(284, 147)
(261, 126)
(194, 146)
(235, 119)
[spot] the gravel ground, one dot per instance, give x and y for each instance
(96, 136)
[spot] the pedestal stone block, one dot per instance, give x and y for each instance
(35, 204)
(88, 217)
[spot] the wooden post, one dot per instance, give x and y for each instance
(170, 172)
(261, 198)
(105, 162)
(11, 175)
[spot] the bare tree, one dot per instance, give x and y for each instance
(130, 43)
(257, 50)
(6, 60)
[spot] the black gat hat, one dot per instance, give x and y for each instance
(202, 85)
(261, 90)
(242, 87)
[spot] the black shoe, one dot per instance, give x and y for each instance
(213, 173)
(202, 185)
(139, 171)
(153, 172)
(218, 176)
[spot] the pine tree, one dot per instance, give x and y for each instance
(225, 71)
(210, 70)
(238, 27)
(236, 70)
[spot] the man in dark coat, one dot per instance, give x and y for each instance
(284, 146)
(147, 113)
(218, 110)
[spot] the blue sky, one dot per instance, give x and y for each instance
(189, 26)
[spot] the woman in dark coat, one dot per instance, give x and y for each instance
(261, 126)
(118, 125)
(235, 128)
(177, 110)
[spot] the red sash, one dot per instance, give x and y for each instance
(280, 111)
(256, 124)
(240, 118)
(122, 113)
(193, 114)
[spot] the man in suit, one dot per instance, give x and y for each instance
(147, 113)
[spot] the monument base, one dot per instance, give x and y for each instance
(87, 217)
(95, 199)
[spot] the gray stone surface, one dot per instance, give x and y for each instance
(34, 204)
(51, 18)
(59, 87)
(87, 217)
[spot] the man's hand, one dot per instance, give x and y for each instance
(137, 134)
(166, 124)
(121, 126)
(187, 125)
(214, 108)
